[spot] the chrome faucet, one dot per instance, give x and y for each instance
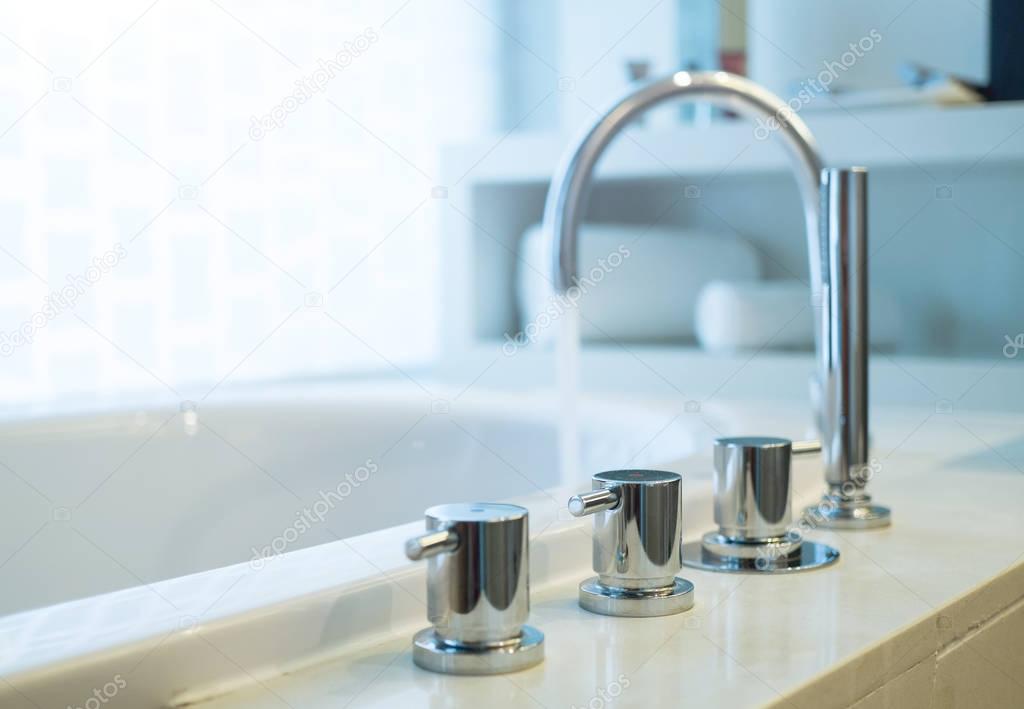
(566, 203)
(638, 526)
(570, 186)
(478, 590)
(753, 487)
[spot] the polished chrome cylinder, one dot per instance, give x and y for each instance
(844, 426)
(845, 443)
(752, 487)
(638, 527)
(636, 543)
(753, 509)
(477, 589)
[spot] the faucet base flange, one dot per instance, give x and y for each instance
(835, 512)
(636, 603)
(765, 559)
(432, 653)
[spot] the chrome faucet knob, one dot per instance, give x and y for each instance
(752, 487)
(753, 510)
(477, 590)
(637, 535)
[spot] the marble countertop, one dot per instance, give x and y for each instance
(951, 559)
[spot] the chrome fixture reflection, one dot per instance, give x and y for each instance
(753, 511)
(846, 504)
(477, 590)
(637, 534)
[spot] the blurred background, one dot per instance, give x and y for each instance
(212, 191)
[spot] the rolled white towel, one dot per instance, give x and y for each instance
(638, 282)
(750, 315)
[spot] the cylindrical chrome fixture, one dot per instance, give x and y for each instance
(753, 489)
(478, 593)
(846, 504)
(637, 535)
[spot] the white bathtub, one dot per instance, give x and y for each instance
(101, 501)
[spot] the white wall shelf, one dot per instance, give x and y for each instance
(945, 194)
(876, 138)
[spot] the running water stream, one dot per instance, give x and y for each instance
(567, 377)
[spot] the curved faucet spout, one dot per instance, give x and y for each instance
(567, 197)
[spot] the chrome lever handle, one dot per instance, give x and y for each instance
(431, 544)
(806, 447)
(588, 503)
